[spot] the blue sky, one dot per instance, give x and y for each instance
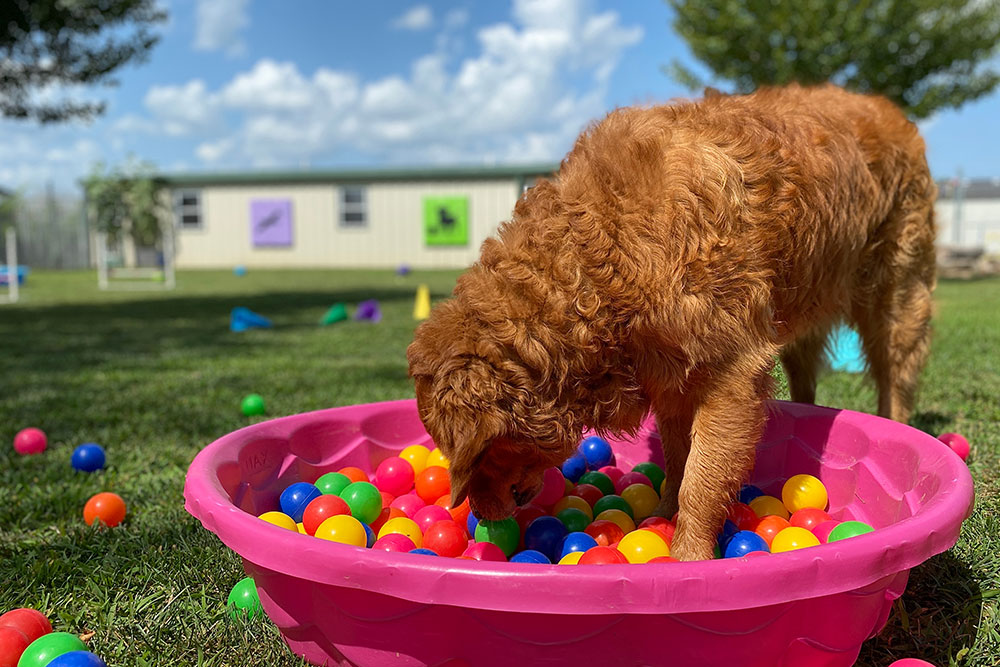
(243, 84)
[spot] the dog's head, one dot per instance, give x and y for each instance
(486, 413)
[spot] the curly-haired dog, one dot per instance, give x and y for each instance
(676, 252)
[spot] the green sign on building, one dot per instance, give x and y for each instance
(446, 220)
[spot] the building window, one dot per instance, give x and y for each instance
(187, 208)
(353, 206)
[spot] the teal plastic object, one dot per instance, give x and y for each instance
(845, 350)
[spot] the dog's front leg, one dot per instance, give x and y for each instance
(728, 420)
(673, 421)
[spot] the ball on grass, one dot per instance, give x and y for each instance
(108, 508)
(957, 443)
(252, 405)
(243, 599)
(30, 441)
(47, 648)
(78, 659)
(88, 457)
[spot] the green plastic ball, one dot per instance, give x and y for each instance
(243, 600)
(364, 500)
(598, 479)
(505, 533)
(575, 520)
(48, 647)
(252, 405)
(849, 529)
(653, 472)
(613, 503)
(332, 483)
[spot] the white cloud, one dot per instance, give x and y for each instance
(418, 17)
(220, 26)
(456, 18)
(183, 110)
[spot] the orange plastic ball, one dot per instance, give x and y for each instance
(770, 526)
(107, 507)
(354, 474)
(433, 483)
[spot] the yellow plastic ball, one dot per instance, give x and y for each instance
(640, 546)
(280, 519)
(793, 538)
(437, 458)
(764, 506)
(801, 491)
(663, 487)
(416, 456)
(642, 499)
(403, 526)
(619, 517)
(572, 558)
(576, 502)
(301, 528)
(343, 528)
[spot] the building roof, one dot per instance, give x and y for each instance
(357, 175)
(976, 188)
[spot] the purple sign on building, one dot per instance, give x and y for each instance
(271, 222)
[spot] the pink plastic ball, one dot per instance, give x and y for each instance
(823, 530)
(394, 542)
(630, 478)
(30, 441)
(911, 662)
(394, 475)
(428, 515)
(410, 503)
(957, 442)
(484, 551)
(553, 488)
(614, 473)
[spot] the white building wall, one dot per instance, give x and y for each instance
(979, 224)
(394, 234)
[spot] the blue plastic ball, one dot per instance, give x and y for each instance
(371, 535)
(239, 270)
(748, 492)
(422, 550)
(295, 498)
(574, 467)
(728, 530)
(597, 451)
(77, 659)
(530, 556)
(471, 523)
(88, 457)
(744, 542)
(546, 534)
(577, 542)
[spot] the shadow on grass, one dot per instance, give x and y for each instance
(930, 422)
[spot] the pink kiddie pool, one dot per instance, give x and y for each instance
(341, 605)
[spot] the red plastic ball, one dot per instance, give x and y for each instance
(446, 538)
(665, 559)
(320, 509)
(661, 527)
(957, 443)
(588, 492)
(409, 503)
(12, 645)
(809, 518)
(602, 555)
(387, 498)
(429, 515)
(553, 488)
(484, 551)
(31, 622)
(607, 533)
(823, 530)
(613, 472)
(394, 475)
(396, 542)
(433, 483)
(108, 508)
(742, 515)
(628, 479)
(30, 441)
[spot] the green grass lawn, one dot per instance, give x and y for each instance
(155, 377)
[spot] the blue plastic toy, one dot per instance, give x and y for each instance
(749, 492)
(546, 534)
(574, 467)
(743, 542)
(577, 542)
(88, 457)
(728, 530)
(845, 350)
(371, 535)
(597, 451)
(241, 319)
(295, 498)
(77, 659)
(530, 556)
(471, 523)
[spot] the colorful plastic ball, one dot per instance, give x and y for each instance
(793, 538)
(364, 500)
(823, 530)
(728, 530)
(446, 538)
(588, 492)
(748, 492)
(416, 456)
(394, 475)
(619, 517)
(344, 529)
(459, 514)
(394, 542)
(607, 533)
(530, 556)
(574, 520)
(664, 527)
(574, 502)
(743, 542)
(387, 498)
(553, 487)
(279, 519)
(403, 526)
(301, 528)
(571, 558)
(244, 600)
(630, 478)
(640, 546)
(108, 508)
(653, 473)
(429, 515)
(801, 491)
(742, 515)
(504, 533)
(354, 474)
(437, 458)
(321, 508)
(296, 498)
(769, 526)
(484, 551)
(614, 473)
(577, 541)
(386, 514)
(31, 622)
(574, 467)
(332, 483)
(911, 662)
(48, 647)
(768, 506)
(410, 503)
(78, 659)
(433, 483)
(809, 518)
(88, 457)
(613, 502)
(423, 551)
(471, 523)
(597, 451)
(849, 529)
(12, 645)
(252, 405)
(546, 534)
(568, 487)
(602, 555)
(662, 559)
(369, 536)
(957, 443)
(642, 499)
(30, 441)
(600, 480)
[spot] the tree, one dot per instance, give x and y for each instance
(922, 54)
(125, 200)
(49, 43)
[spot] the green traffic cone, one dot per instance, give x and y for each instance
(336, 313)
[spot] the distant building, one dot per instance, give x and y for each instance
(968, 214)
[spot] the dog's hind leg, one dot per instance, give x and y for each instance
(801, 361)
(674, 425)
